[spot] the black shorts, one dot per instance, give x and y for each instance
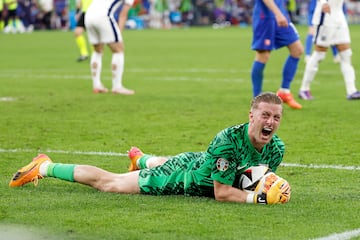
(81, 20)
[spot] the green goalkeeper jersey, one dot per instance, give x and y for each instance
(227, 156)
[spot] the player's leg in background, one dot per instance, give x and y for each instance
(95, 68)
(117, 69)
(80, 39)
(257, 70)
(309, 43)
(2, 23)
(291, 64)
(310, 72)
(81, 44)
(348, 71)
(289, 70)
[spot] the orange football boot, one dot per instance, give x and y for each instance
(289, 100)
(29, 173)
(134, 154)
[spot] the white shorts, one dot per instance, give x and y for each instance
(325, 36)
(101, 28)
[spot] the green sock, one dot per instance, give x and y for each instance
(61, 171)
(142, 161)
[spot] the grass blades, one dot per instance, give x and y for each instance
(190, 84)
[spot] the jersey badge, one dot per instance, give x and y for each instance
(222, 164)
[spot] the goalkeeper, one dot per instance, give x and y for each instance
(210, 173)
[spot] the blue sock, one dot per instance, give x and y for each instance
(308, 44)
(257, 77)
(334, 50)
(289, 71)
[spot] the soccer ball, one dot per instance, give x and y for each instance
(250, 178)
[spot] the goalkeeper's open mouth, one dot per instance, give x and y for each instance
(266, 131)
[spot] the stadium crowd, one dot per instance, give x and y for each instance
(62, 14)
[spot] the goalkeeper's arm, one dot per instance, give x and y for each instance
(227, 193)
(272, 192)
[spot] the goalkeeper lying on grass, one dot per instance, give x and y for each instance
(211, 173)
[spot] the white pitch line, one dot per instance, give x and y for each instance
(7, 99)
(64, 152)
(341, 236)
(337, 167)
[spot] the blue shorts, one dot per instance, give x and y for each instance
(268, 36)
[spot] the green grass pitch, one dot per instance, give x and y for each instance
(190, 84)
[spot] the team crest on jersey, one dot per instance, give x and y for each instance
(222, 164)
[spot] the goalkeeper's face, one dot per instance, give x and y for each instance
(264, 121)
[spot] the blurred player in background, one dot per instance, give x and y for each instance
(25, 14)
(211, 173)
(79, 31)
(12, 20)
(45, 14)
(72, 8)
(103, 28)
(2, 13)
(272, 29)
(310, 35)
(331, 29)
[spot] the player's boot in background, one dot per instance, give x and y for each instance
(29, 173)
(354, 96)
(123, 91)
(289, 99)
(100, 89)
(306, 95)
(82, 58)
(134, 154)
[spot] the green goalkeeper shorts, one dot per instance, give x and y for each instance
(171, 178)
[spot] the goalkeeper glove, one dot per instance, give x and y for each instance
(271, 189)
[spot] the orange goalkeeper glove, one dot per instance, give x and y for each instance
(272, 189)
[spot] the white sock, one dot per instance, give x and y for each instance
(348, 71)
(117, 68)
(95, 67)
(43, 168)
(311, 69)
